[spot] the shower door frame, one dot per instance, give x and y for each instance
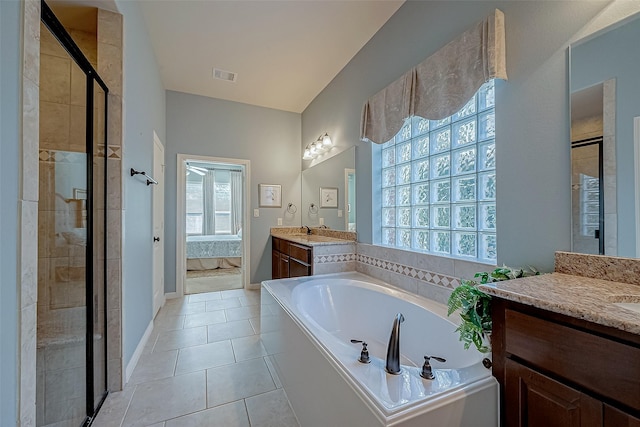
(49, 19)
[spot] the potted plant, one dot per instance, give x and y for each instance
(475, 306)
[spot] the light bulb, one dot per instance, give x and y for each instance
(326, 140)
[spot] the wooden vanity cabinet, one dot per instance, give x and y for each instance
(556, 370)
(289, 259)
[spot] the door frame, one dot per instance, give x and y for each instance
(157, 145)
(181, 216)
(347, 194)
(636, 147)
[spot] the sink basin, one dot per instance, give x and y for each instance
(632, 306)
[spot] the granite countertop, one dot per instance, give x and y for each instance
(593, 300)
(311, 239)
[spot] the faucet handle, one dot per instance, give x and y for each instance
(364, 354)
(426, 372)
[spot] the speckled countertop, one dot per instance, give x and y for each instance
(312, 239)
(320, 236)
(581, 297)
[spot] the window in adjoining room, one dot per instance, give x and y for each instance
(438, 181)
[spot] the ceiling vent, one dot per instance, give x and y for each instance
(224, 75)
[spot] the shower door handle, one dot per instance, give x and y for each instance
(156, 239)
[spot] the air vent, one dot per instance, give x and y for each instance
(224, 75)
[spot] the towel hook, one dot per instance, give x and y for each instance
(291, 208)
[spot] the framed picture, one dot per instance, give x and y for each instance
(270, 195)
(328, 197)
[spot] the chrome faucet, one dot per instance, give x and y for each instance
(393, 350)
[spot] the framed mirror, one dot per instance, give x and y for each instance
(334, 179)
(605, 141)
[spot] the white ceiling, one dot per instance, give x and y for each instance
(284, 52)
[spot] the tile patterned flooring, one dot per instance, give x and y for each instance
(204, 365)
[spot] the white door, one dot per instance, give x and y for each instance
(158, 225)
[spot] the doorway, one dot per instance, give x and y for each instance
(212, 224)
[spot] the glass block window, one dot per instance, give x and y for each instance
(439, 183)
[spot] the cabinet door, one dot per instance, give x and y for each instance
(284, 266)
(535, 400)
(275, 264)
(298, 269)
(615, 418)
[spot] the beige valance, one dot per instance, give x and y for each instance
(441, 84)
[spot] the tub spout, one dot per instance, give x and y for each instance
(393, 350)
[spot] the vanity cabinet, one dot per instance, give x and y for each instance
(556, 370)
(290, 259)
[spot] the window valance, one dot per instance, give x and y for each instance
(441, 84)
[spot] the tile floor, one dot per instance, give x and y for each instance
(204, 365)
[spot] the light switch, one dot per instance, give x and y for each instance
(279, 221)
(256, 213)
(339, 213)
(321, 221)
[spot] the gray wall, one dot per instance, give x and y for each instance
(10, 84)
(144, 112)
(532, 112)
(269, 138)
(615, 54)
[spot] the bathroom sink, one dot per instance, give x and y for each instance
(628, 302)
(632, 306)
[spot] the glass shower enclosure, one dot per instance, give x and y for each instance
(71, 334)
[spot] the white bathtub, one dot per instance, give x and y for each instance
(307, 324)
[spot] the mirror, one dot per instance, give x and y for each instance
(329, 193)
(605, 110)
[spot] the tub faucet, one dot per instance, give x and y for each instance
(393, 350)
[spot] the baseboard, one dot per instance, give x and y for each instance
(136, 354)
(170, 295)
(254, 286)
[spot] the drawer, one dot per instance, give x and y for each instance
(280, 245)
(299, 252)
(602, 365)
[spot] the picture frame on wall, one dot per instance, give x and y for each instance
(328, 197)
(270, 195)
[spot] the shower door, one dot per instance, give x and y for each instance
(71, 326)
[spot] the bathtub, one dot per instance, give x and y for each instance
(306, 327)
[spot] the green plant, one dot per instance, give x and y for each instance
(475, 306)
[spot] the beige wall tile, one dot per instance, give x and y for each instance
(78, 86)
(28, 365)
(31, 47)
(30, 138)
(77, 129)
(114, 128)
(114, 367)
(114, 334)
(54, 126)
(114, 282)
(55, 81)
(110, 67)
(49, 45)
(88, 44)
(109, 28)
(114, 230)
(28, 253)
(114, 184)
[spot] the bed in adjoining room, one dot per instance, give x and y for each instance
(214, 251)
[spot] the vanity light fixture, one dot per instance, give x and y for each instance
(314, 149)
